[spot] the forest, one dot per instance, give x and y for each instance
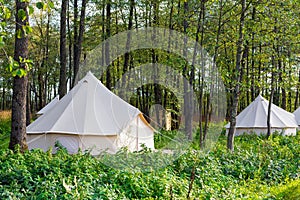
(196, 63)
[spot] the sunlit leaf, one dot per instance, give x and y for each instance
(51, 4)
(31, 10)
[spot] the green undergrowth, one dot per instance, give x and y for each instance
(258, 169)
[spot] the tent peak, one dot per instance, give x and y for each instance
(260, 96)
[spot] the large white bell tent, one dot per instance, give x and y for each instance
(49, 106)
(297, 115)
(253, 119)
(91, 117)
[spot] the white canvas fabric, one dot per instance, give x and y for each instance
(297, 115)
(95, 116)
(49, 106)
(253, 119)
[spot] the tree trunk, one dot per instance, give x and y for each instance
(78, 41)
(209, 97)
(200, 28)
(63, 51)
(297, 92)
(75, 39)
(41, 84)
(3, 96)
(107, 47)
(270, 103)
(127, 53)
(28, 108)
(237, 77)
(46, 60)
(70, 49)
(186, 86)
(283, 91)
(18, 124)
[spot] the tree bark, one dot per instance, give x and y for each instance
(200, 28)
(78, 41)
(270, 106)
(157, 88)
(253, 49)
(28, 108)
(186, 86)
(63, 51)
(75, 39)
(18, 124)
(107, 46)
(283, 91)
(297, 92)
(3, 96)
(70, 45)
(130, 23)
(237, 77)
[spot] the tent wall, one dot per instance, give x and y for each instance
(38, 141)
(97, 144)
(73, 143)
(138, 132)
(297, 116)
(45, 141)
(263, 131)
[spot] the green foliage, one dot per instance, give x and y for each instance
(14, 66)
(258, 169)
(22, 14)
(288, 191)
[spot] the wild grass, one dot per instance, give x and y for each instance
(5, 123)
(5, 115)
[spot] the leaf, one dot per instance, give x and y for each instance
(51, 4)
(40, 5)
(31, 10)
(9, 67)
(7, 13)
(19, 34)
(19, 72)
(28, 29)
(22, 14)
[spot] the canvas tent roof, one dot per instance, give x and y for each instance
(255, 115)
(297, 115)
(88, 109)
(49, 106)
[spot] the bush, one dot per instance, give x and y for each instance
(258, 169)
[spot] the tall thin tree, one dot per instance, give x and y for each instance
(62, 90)
(187, 87)
(107, 46)
(237, 75)
(78, 40)
(18, 124)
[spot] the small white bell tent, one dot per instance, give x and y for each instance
(253, 119)
(91, 117)
(49, 106)
(297, 115)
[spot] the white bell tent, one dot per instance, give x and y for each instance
(49, 106)
(91, 117)
(297, 116)
(253, 119)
